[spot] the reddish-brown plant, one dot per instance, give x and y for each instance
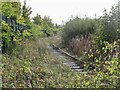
(79, 45)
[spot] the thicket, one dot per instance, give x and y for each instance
(20, 64)
(31, 65)
(21, 14)
(108, 27)
(78, 27)
(97, 43)
(9, 33)
(47, 27)
(96, 31)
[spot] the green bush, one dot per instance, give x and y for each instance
(108, 27)
(78, 27)
(36, 30)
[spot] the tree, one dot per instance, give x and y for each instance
(46, 24)
(11, 9)
(37, 20)
(10, 35)
(108, 27)
(26, 11)
(78, 27)
(16, 9)
(7, 9)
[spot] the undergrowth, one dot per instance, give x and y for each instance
(36, 67)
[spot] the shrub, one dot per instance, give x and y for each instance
(80, 45)
(95, 55)
(78, 27)
(107, 28)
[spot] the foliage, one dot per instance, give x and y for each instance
(21, 20)
(78, 27)
(29, 64)
(108, 27)
(11, 9)
(7, 9)
(9, 33)
(6, 33)
(26, 11)
(9, 37)
(36, 31)
(37, 20)
(16, 7)
(46, 24)
(32, 66)
(79, 46)
(106, 54)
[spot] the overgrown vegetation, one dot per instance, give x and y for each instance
(47, 27)
(78, 27)
(28, 63)
(97, 43)
(21, 14)
(33, 66)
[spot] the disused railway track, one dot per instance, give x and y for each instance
(79, 63)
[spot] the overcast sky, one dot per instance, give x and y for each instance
(62, 10)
